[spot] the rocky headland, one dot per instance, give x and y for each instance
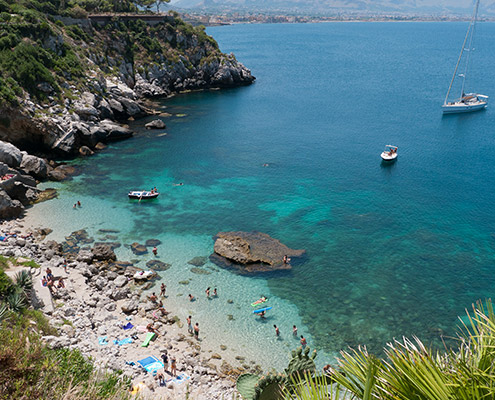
(67, 84)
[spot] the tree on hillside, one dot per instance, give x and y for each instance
(159, 2)
(149, 3)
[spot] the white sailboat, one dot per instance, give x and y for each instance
(467, 102)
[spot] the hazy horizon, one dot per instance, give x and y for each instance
(416, 7)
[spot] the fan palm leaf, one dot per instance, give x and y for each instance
(16, 301)
(4, 312)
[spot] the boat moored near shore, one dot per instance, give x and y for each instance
(143, 194)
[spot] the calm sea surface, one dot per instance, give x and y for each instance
(392, 250)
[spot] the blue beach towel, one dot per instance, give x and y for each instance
(123, 341)
(102, 340)
(179, 379)
(151, 364)
(128, 326)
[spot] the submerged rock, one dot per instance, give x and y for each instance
(200, 271)
(138, 249)
(47, 194)
(152, 242)
(198, 261)
(251, 252)
(158, 265)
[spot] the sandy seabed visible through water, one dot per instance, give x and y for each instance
(225, 321)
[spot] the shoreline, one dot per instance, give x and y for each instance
(87, 310)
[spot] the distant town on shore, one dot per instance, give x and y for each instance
(216, 18)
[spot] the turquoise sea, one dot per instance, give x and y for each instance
(392, 250)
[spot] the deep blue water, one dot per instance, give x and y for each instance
(391, 250)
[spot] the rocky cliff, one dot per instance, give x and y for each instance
(65, 82)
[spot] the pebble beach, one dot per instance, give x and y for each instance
(89, 315)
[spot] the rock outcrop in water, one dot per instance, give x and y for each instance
(251, 252)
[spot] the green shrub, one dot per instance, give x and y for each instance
(9, 41)
(78, 12)
(4, 6)
(5, 284)
(29, 65)
(30, 370)
(76, 33)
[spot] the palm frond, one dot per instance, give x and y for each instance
(16, 301)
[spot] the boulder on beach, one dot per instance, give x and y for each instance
(34, 166)
(251, 252)
(10, 155)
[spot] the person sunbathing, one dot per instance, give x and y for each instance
(151, 328)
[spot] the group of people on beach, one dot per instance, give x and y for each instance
(48, 280)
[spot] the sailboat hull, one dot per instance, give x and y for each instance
(458, 107)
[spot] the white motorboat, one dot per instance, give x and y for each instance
(142, 194)
(390, 153)
(471, 101)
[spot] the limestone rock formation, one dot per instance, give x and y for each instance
(156, 124)
(103, 252)
(251, 252)
(10, 155)
(34, 166)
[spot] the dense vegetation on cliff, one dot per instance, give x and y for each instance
(41, 56)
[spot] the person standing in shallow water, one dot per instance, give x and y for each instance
(155, 251)
(294, 330)
(196, 331)
(163, 288)
(303, 342)
(277, 331)
(207, 291)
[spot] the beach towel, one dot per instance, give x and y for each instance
(141, 328)
(102, 340)
(128, 326)
(151, 363)
(147, 340)
(179, 379)
(123, 341)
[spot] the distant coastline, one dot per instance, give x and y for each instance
(212, 18)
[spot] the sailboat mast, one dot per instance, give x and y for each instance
(470, 48)
(460, 55)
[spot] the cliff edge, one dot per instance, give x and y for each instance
(66, 81)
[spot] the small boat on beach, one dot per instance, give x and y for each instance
(467, 102)
(143, 194)
(390, 153)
